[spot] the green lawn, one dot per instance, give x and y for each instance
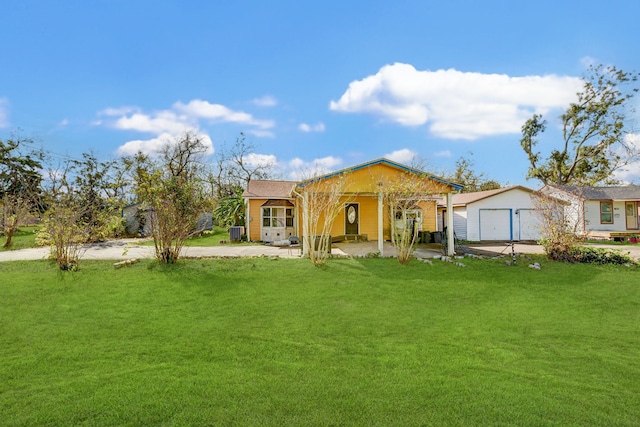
(24, 238)
(210, 238)
(279, 342)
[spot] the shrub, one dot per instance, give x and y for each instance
(591, 255)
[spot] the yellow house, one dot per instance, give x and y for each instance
(281, 210)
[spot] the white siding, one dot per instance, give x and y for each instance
(460, 222)
(592, 217)
(528, 225)
(507, 227)
(573, 213)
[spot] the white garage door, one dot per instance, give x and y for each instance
(495, 224)
(529, 224)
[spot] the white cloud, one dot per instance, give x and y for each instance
(265, 101)
(178, 119)
(455, 104)
(443, 153)
(261, 133)
(318, 127)
(631, 172)
(254, 159)
(588, 61)
(150, 147)
(119, 111)
(198, 108)
(405, 156)
(153, 146)
(4, 113)
(299, 169)
(158, 123)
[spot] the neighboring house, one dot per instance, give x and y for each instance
(275, 208)
(137, 219)
(502, 214)
(600, 212)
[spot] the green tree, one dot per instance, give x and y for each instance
(173, 188)
(470, 179)
(63, 226)
(230, 211)
(594, 129)
(20, 184)
(98, 195)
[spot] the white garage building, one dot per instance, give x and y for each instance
(503, 214)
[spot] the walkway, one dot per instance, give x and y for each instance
(131, 248)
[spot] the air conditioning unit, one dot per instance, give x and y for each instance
(236, 233)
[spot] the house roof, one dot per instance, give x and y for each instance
(463, 199)
(629, 192)
(266, 189)
(455, 187)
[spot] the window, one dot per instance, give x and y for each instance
(277, 217)
(413, 218)
(266, 217)
(289, 217)
(606, 212)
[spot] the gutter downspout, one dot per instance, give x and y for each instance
(247, 219)
(380, 228)
(305, 221)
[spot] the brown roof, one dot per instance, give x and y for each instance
(266, 189)
(466, 198)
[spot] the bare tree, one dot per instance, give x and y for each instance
(322, 202)
(404, 194)
(559, 224)
(235, 166)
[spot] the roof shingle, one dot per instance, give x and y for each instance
(268, 189)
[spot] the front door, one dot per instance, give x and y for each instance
(631, 209)
(351, 218)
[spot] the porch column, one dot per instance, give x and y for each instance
(305, 224)
(247, 220)
(380, 224)
(450, 243)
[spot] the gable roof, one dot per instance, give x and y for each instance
(463, 199)
(383, 161)
(266, 189)
(629, 192)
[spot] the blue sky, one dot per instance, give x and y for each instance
(312, 84)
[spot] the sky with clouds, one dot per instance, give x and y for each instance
(313, 85)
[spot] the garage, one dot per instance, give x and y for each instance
(528, 224)
(502, 214)
(496, 224)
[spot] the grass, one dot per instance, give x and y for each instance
(24, 238)
(214, 237)
(280, 342)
